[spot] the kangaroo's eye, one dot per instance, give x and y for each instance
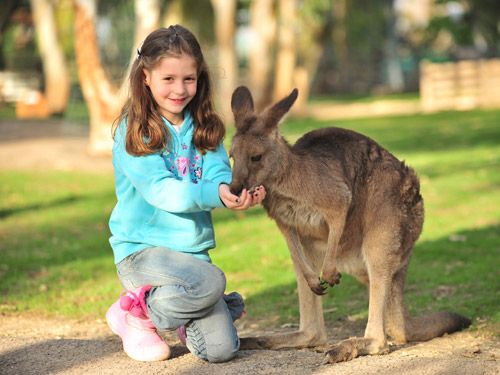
(256, 158)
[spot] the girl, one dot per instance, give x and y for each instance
(171, 170)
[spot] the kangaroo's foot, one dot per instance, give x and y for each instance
(354, 347)
(295, 339)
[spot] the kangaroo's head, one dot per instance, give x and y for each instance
(258, 149)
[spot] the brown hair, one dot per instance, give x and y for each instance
(146, 132)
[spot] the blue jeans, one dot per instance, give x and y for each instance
(186, 291)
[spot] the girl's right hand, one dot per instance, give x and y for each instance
(232, 201)
(242, 202)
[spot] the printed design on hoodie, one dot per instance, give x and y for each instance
(182, 166)
(185, 163)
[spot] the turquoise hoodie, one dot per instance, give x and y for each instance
(165, 199)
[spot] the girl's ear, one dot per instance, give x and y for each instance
(147, 76)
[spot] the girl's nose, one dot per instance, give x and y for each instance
(180, 88)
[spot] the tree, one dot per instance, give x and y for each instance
(299, 47)
(263, 26)
(225, 13)
(174, 14)
(286, 57)
(55, 70)
(103, 100)
(395, 79)
(469, 22)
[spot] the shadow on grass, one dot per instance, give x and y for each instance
(461, 167)
(454, 275)
(38, 206)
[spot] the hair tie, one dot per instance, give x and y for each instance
(175, 31)
(139, 54)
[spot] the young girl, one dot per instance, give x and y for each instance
(171, 170)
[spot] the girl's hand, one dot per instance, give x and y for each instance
(244, 201)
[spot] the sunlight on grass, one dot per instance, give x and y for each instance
(56, 259)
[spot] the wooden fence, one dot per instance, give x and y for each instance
(460, 86)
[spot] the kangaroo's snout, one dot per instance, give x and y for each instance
(236, 188)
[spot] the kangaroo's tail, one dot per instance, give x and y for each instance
(427, 327)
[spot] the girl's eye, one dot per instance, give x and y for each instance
(256, 158)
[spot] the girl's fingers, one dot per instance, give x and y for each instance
(246, 199)
(243, 196)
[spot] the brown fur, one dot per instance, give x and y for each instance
(344, 204)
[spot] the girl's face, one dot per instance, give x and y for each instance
(173, 84)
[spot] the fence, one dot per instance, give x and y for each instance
(460, 86)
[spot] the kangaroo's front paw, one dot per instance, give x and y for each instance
(318, 286)
(332, 277)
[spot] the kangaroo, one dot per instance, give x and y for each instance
(343, 204)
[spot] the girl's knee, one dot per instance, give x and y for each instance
(223, 352)
(214, 345)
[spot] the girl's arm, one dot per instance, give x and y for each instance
(216, 166)
(160, 188)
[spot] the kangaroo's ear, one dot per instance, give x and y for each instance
(241, 105)
(274, 114)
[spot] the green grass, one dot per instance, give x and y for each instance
(56, 260)
(360, 98)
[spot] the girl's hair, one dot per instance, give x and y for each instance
(146, 132)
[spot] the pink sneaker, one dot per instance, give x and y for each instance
(128, 318)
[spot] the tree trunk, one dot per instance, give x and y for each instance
(147, 19)
(286, 58)
(55, 70)
(339, 36)
(174, 14)
(103, 100)
(395, 79)
(263, 25)
(224, 11)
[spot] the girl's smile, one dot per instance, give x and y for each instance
(178, 101)
(173, 84)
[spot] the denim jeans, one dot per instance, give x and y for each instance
(186, 291)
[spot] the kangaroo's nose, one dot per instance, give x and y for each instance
(236, 188)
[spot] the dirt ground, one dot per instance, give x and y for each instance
(34, 345)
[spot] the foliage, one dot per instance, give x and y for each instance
(18, 51)
(56, 258)
(473, 20)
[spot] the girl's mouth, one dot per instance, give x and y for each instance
(178, 101)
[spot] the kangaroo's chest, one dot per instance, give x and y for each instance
(293, 213)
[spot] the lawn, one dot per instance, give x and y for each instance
(56, 260)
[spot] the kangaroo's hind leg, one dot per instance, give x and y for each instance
(312, 330)
(396, 313)
(381, 257)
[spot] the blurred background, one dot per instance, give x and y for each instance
(421, 77)
(68, 58)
